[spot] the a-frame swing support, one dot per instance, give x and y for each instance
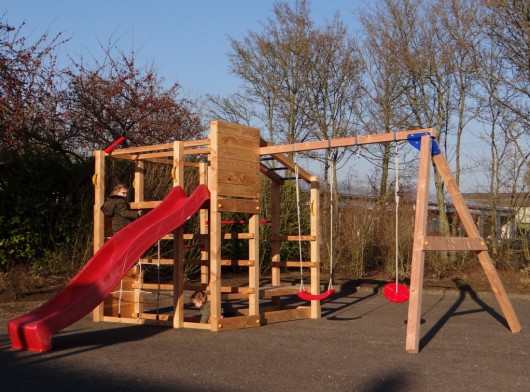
(429, 153)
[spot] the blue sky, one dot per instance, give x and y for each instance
(186, 40)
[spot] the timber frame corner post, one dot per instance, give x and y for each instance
(429, 153)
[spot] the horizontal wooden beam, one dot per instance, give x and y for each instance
(454, 243)
(344, 142)
(279, 238)
(156, 261)
(278, 291)
(239, 322)
(237, 236)
(279, 316)
(307, 264)
(153, 286)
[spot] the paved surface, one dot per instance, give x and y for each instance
(359, 345)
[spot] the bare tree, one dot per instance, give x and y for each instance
(31, 115)
(384, 89)
(507, 27)
(114, 97)
(272, 66)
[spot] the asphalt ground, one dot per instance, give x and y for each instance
(358, 345)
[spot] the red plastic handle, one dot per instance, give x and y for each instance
(315, 297)
(111, 147)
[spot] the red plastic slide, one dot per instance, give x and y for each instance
(96, 280)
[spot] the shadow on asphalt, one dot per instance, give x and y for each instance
(76, 341)
(333, 307)
(464, 291)
(47, 375)
(348, 289)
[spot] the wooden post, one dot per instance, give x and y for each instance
(139, 195)
(418, 255)
(99, 220)
(139, 181)
(275, 234)
(253, 270)
(215, 230)
(314, 211)
(203, 218)
(177, 174)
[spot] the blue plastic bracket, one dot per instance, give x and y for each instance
(415, 140)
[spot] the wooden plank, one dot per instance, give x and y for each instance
(98, 180)
(148, 155)
(142, 149)
(229, 164)
(139, 181)
(197, 151)
(275, 232)
(280, 316)
(155, 261)
(164, 158)
(237, 178)
(240, 141)
(253, 270)
(245, 155)
(237, 236)
(154, 286)
(144, 205)
(224, 263)
(315, 245)
(234, 296)
(196, 143)
(203, 227)
(454, 243)
(124, 320)
(140, 157)
(177, 174)
(195, 236)
(238, 322)
(418, 256)
(343, 142)
(294, 238)
(269, 292)
(239, 205)
(227, 128)
(236, 263)
(154, 316)
(237, 289)
(305, 264)
(251, 192)
(132, 320)
(159, 147)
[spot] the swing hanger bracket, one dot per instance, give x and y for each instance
(415, 141)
